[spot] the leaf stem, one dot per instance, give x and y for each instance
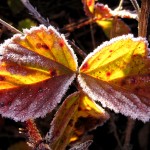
(77, 49)
(130, 125)
(92, 36)
(120, 5)
(114, 128)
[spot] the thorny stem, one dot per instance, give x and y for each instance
(9, 27)
(35, 13)
(143, 18)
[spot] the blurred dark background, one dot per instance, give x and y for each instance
(61, 14)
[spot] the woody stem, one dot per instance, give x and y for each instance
(143, 18)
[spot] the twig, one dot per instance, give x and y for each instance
(9, 27)
(78, 24)
(135, 5)
(119, 6)
(143, 18)
(78, 50)
(35, 13)
(115, 131)
(92, 36)
(128, 132)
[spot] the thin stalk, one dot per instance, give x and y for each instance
(136, 6)
(113, 125)
(9, 27)
(120, 5)
(92, 36)
(128, 132)
(77, 49)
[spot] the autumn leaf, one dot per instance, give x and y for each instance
(35, 71)
(109, 21)
(93, 8)
(117, 74)
(108, 18)
(89, 6)
(113, 27)
(77, 115)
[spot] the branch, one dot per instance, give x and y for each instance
(143, 18)
(9, 27)
(135, 5)
(77, 49)
(128, 132)
(35, 13)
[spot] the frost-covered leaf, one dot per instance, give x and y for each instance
(111, 26)
(117, 74)
(35, 71)
(101, 11)
(106, 18)
(89, 6)
(77, 115)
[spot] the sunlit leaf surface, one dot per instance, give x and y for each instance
(117, 74)
(35, 71)
(77, 115)
(111, 26)
(88, 6)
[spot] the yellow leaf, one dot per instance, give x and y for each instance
(71, 121)
(117, 74)
(113, 27)
(35, 71)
